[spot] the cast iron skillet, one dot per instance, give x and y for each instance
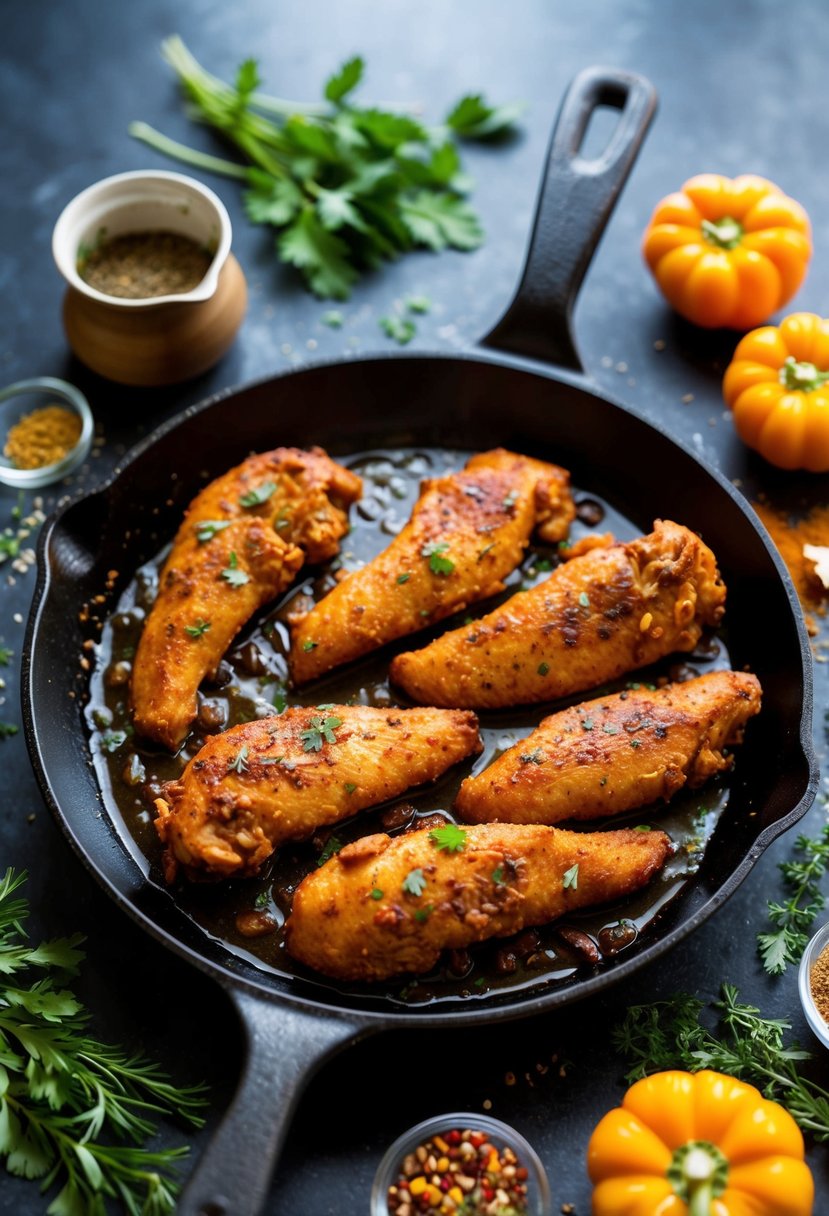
(438, 400)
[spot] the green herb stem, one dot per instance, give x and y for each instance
(188, 156)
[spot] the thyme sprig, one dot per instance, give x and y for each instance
(67, 1099)
(671, 1034)
(794, 917)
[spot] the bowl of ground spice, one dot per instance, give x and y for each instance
(814, 984)
(46, 428)
(154, 295)
(462, 1164)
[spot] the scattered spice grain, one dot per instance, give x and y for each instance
(790, 536)
(42, 437)
(142, 265)
(819, 983)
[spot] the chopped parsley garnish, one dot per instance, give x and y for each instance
(510, 501)
(449, 839)
(255, 498)
(262, 900)
(536, 756)
(101, 717)
(5, 656)
(610, 729)
(333, 318)
(571, 877)
(239, 763)
(271, 759)
(110, 742)
(349, 787)
(438, 564)
(543, 669)
(332, 846)
(403, 578)
(232, 574)
(422, 914)
(642, 827)
(7, 729)
(587, 724)
(309, 645)
(279, 701)
(376, 893)
(207, 529)
(584, 600)
(498, 876)
(197, 629)
(543, 565)
(401, 329)
(321, 730)
(418, 304)
(636, 743)
(415, 883)
(9, 546)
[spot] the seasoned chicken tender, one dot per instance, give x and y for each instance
(259, 784)
(615, 753)
(243, 539)
(597, 616)
(500, 879)
(467, 532)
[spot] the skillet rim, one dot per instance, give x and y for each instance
(516, 1005)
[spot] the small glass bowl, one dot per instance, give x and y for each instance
(23, 398)
(500, 1134)
(815, 948)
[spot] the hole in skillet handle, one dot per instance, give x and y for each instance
(575, 202)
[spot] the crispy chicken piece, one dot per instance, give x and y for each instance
(597, 616)
(243, 539)
(615, 753)
(504, 878)
(467, 532)
(259, 784)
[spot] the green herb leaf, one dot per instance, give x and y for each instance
(570, 877)
(349, 787)
(331, 848)
(440, 219)
(112, 740)
(271, 200)
(308, 645)
(422, 914)
(321, 256)
(543, 669)
(320, 731)
(448, 839)
(401, 329)
(609, 729)
(414, 883)
(333, 318)
(262, 900)
(7, 729)
(536, 756)
(794, 917)
(258, 496)
(232, 574)
(498, 876)
(438, 564)
(239, 763)
(403, 578)
(472, 118)
(584, 599)
(420, 304)
(376, 893)
(342, 82)
(5, 656)
(198, 628)
(207, 529)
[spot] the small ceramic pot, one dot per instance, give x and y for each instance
(161, 339)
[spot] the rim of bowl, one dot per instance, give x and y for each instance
(817, 944)
(33, 479)
(460, 1119)
(65, 255)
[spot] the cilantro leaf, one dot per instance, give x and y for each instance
(389, 131)
(7, 729)
(271, 200)
(206, 529)
(321, 256)
(570, 878)
(342, 82)
(321, 730)
(438, 564)
(472, 118)
(198, 628)
(331, 848)
(239, 763)
(232, 573)
(441, 219)
(401, 329)
(6, 656)
(259, 495)
(336, 209)
(449, 839)
(415, 883)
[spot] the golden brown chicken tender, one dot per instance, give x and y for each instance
(259, 784)
(384, 907)
(467, 532)
(615, 753)
(243, 539)
(597, 616)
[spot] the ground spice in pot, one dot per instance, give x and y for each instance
(42, 437)
(819, 983)
(142, 265)
(790, 537)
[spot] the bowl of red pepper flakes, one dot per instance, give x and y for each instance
(461, 1165)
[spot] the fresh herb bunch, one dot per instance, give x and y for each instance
(64, 1096)
(794, 917)
(345, 186)
(670, 1034)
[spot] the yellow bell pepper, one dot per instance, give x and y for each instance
(777, 387)
(698, 1144)
(728, 252)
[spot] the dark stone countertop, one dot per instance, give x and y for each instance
(741, 89)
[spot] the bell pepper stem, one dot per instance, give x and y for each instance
(725, 233)
(698, 1173)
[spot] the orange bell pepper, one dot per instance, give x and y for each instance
(698, 1144)
(777, 387)
(728, 252)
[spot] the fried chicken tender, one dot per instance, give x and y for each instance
(243, 539)
(615, 753)
(504, 878)
(259, 784)
(597, 616)
(467, 532)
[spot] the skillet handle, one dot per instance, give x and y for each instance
(576, 199)
(285, 1047)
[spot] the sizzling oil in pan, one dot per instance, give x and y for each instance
(252, 682)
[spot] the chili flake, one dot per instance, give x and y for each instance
(460, 1170)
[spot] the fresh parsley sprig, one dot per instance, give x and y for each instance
(670, 1034)
(345, 186)
(67, 1099)
(794, 917)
